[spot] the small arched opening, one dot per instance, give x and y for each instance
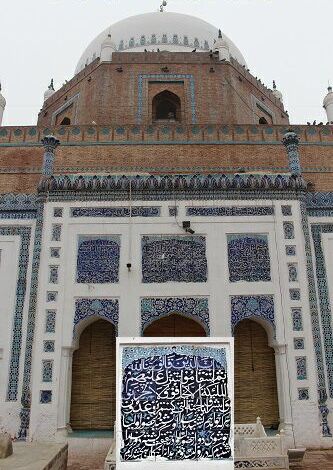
(263, 120)
(166, 107)
(65, 122)
(255, 376)
(93, 396)
(175, 325)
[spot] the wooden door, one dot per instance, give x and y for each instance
(255, 376)
(175, 325)
(93, 404)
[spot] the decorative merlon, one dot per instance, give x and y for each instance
(171, 183)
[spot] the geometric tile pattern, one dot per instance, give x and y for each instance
(303, 394)
(301, 368)
(297, 319)
(293, 274)
(45, 396)
(99, 308)
(195, 308)
(298, 343)
(56, 232)
(286, 210)
(289, 232)
(295, 294)
(50, 321)
(173, 258)
(98, 259)
(24, 233)
(248, 258)
(47, 370)
(252, 306)
(324, 300)
(290, 250)
(48, 346)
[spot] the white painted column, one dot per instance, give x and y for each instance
(64, 391)
(283, 385)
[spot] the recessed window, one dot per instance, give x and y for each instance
(263, 120)
(166, 107)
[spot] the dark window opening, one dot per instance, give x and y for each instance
(65, 122)
(166, 106)
(263, 120)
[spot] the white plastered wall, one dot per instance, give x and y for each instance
(9, 265)
(300, 419)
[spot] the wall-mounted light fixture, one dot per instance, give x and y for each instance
(187, 227)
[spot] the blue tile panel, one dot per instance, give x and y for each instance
(286, 210)
(48, 346)
(299, 343)
(16, 346)
(98, 259)
(291, 250)
(57, 212)
(293, 273)
(53, 274)
(303, 394)
(47, 370)
(252, 306)
(55, 252)
(295, 294)
(173, 211)
(324, 298)
(229, 211)
(173, 258)
(248, 257)
(135, 211)
(301, 368)
(45, 397)
(289, 231)
(56, 233)
(195, 308)
(50, 321)
(297, 319)
(107, 309)
(51, 296)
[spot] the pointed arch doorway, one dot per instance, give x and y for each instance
(255, 376)
(174, 325)
(93, 399)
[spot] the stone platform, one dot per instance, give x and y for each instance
(36, 456)
(316, 460)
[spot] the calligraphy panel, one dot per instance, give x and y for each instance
(175, 404)
(174, 258)
(248, 258)
(98, 259)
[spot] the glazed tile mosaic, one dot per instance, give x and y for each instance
(248, 258)
(174, 258)
(179, 386)
(193, 307)
(99, 308)
(255, 306)
(229, 211)
(98, 259)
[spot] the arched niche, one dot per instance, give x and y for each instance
(256, 392)
(174, 325)
(65, 121)
(166, 106)
(93, 391)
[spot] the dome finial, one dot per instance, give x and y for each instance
(163, 5)
(274, 85)
(51, 85)
(220, 34)
(277, 93)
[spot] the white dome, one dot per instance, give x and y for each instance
(173, 32)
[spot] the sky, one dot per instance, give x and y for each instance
(290, 41)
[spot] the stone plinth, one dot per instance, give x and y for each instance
(36, 456)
